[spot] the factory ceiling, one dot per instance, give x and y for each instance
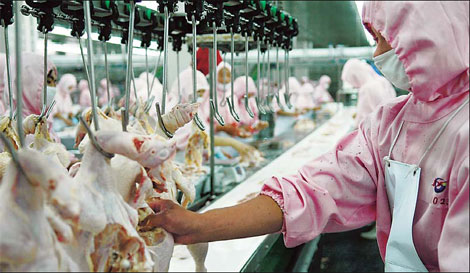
(324, 23)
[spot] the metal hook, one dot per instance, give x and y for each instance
(86, 5)
(287, 95)
(155, 70)
(147, 72)
(278, 85)
(92, 138)
(105, 49)
(19, 82)
(129, 61)
(214, 106)
(165, 58)
(44, 92)
(196, 119)
(231, 100)
(7, 55)
(258, 97)
(149, 103)
(269, 96)
(161, 123)
(178, 77)
(247, 106)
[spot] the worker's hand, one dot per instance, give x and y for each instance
(183, 224)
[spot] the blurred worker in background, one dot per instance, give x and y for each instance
(374, 89)
(103, 92)
(63, 109)
(33, 85)
(321, 94)
(85, 99)
(406, 166)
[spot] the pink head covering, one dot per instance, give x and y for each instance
(32, 82)
(304, 99)
(66, 85)
(321, 94)
(220, 86)
(373, 88)
(419, 50)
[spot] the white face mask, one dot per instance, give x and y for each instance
(392, 69)
(51, 91)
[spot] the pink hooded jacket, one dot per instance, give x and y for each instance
(373, 88)
(66, 85)
(33, 82)
(321, 94)
(345, 189)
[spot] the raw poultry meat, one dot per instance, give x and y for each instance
(4, 160)
(8, 127)
(28, 241)
(197, 143)
(43, 142)
(115, 244)
(164, 174)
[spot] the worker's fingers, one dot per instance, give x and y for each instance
(153, 221)
(158, 205)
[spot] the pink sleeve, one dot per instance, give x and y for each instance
(335, 192)
(453, 245)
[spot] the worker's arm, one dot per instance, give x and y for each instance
(257, 216)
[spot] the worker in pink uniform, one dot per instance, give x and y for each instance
(63, 108)
(373, 88)
(202, 92)
(103, 93)
(33, 85)
(304, 99)
(247, 125)
(321, 94)
(406, 166)
(85, 98)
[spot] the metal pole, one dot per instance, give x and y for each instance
(19, 82)
(212, 131)
(90, 63)
(155, 70)
(178, 77)
(105, 47)
(194, 60)
(147, 73)
(7, 54)
(44, 92)
(278, 80)
(165, 59)
(197, 120)
(130, 40)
